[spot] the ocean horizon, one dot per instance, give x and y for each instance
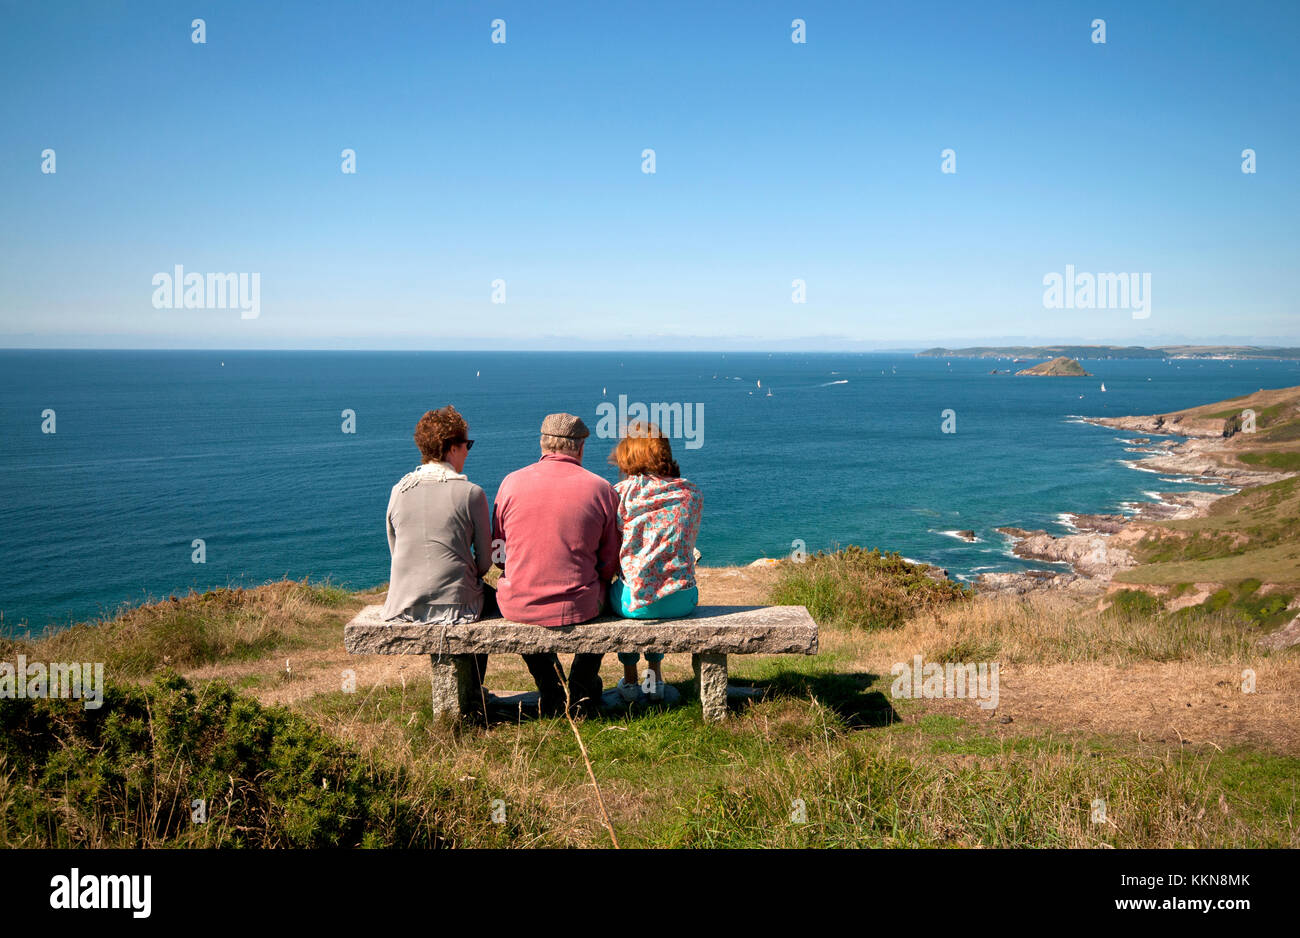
(248, 453)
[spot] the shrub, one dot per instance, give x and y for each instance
(1135, 603)
(125, 775)
(864, 589)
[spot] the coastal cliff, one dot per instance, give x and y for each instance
(1189, 542)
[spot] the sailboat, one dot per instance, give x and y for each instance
(769, 392)
(760, 382)
(1103, 385)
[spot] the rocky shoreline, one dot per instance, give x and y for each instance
(1102, 543)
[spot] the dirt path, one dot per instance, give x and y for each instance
(1174, 703)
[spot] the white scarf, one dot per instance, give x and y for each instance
(429, 472)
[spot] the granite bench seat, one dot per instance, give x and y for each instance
(709, 634)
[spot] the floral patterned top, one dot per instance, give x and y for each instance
(660, 519)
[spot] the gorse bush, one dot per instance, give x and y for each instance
(127, 774)
(863, 589)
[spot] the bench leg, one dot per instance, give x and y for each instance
(711, 678)
(451, 684)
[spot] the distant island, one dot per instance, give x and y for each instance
(1115, 351)
(1061, 367)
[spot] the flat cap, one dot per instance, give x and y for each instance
(566, 425)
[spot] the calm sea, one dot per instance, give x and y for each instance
(246, 451)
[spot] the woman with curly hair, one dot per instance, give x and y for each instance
(439, 530)
(660, 516)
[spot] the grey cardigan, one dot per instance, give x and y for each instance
(440, 537)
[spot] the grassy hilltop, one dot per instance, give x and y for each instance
(237, 697)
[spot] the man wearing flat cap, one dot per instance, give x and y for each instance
(559, 525)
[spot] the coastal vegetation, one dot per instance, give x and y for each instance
(864, 589)
(135, 773)
(823, 755)
(1252, 533)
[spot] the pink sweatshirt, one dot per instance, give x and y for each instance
(560, 527)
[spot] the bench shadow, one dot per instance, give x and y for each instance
(851, 695)
(515, 708)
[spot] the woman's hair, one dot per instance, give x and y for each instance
(644, 451)
(438, 430)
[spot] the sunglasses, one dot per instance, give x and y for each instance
(469, 444)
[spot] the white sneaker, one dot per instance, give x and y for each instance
(658, 693)
(628, 692)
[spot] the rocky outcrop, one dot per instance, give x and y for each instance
(1057, 368)
(1099, 524)
(1093, 555)
(1163, 426)
(1203, 458)
(1283, 638)
(1029, 581)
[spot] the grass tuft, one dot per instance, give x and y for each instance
(856, 588)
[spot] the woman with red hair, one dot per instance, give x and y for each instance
(660, 515)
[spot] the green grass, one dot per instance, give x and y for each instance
(1241, 606)
(1262, 610)
(1249, 534)
(939, 781)
(1261, 788)
(1135, 602)
(1284, 462)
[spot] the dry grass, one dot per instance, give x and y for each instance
(221, 625)
(1067, 666)
(1055, 628)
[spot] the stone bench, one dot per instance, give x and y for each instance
(710, 634)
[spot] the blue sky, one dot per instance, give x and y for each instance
(522, 161)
